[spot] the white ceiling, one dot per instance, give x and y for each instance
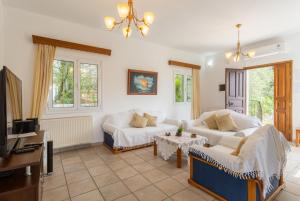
(192, 25)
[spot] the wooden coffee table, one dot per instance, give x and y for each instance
(169, 145)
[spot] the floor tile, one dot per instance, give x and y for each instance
(77, 176)
(114, 191)
(286, 196)
(74, 167)
(170, 186)
(170, 169)
(187, 195)
(143, 167)
(155, 175)
(54, 182)
(182, 178)
(129, 197)
(106, 179)
(68, 154)
(57, 194)
(71, 160)
(150, 193)
(132, 160)
(94, 162)
(293, 188)
(98, 170)
(121, 164)
(89, 196)
(126, 172)
(157, 162)
(137, 182)
(81, 187)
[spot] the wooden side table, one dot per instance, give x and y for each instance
(297, 137)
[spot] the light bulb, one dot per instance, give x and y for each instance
(123, 10)
(148, 18)
(228, 55)
(144, 29)
(236, 58)
(126, 32)
(109, 22)
(251, 54)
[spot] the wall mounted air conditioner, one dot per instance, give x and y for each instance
(268, 50)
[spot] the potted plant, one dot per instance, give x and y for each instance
(179, 131)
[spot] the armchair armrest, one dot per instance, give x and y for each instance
(174, 122)
(110, 128)
(187, 124)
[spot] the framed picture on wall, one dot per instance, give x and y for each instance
(142, 82)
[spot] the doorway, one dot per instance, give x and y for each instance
(260, 94)
(264, 91)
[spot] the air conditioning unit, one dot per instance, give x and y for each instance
(269, 50)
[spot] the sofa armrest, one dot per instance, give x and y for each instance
(187, 124)
(174, 122)
(110, 128)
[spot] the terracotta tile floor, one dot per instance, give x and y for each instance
(95, 174)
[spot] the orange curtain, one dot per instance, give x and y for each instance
(43, 73)
(196, 110)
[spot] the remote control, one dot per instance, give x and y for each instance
(24, 150)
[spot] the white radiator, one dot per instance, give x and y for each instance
(69, 131)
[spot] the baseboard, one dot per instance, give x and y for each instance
(75, 147)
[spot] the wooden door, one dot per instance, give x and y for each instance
(235, 98)
(283, 98)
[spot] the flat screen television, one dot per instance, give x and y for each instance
(10, 108)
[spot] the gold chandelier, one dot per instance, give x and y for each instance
(238, 52)
(129, 17)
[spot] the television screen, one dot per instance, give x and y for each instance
(10, 108)
(13, 99)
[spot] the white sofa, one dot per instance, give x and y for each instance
(246, 126)
(118, 134)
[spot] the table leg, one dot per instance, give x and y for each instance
(179, 157)
(155, 148)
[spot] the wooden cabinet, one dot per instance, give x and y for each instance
(297, 137)
(18, 186)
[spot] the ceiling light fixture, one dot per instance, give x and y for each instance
(128, 17)
(238, 52)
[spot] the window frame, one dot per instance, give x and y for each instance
(186, 73)
(77, 106)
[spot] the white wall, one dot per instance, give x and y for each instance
(215, 75)
(131, 53)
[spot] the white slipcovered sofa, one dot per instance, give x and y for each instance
(246, 126)
(119, 135)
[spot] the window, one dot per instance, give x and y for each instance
(63, 84)
(75, 86)
(88, 85)
(183, 86)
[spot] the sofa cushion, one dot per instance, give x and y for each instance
(211, 122)
(226, 123)
(138, 121)
(242, 121)
(152, 120)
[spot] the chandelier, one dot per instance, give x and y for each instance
(129, 17)
(238, 52)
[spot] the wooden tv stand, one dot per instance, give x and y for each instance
(18, 186)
